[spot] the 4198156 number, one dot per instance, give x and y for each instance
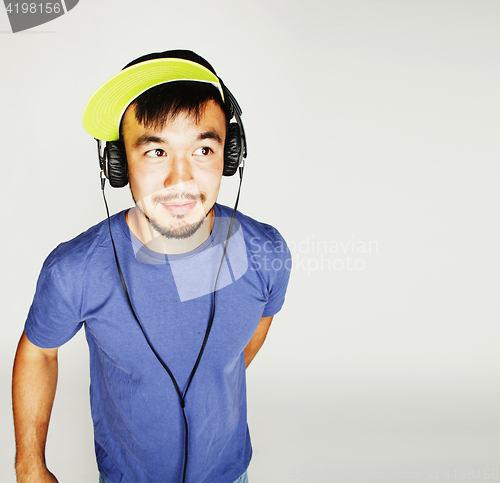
(34, 8)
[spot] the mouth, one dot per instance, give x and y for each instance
(180, 207)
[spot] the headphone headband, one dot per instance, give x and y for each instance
(104, 110)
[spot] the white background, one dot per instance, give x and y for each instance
(367, 121)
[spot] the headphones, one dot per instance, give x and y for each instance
(113, 163)
(113, 160)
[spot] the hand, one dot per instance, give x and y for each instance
(48, 477)
(43, 476)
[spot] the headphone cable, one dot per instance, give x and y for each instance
(181, 396)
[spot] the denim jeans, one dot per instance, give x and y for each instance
(242, 479)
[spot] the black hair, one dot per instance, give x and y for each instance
(164, 102)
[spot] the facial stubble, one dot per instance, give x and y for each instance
(173, 233)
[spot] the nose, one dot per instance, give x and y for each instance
(179, 176)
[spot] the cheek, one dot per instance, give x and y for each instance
(142, 181)
(208, 175)
(140, 188)
(218, 170)
(212, 181)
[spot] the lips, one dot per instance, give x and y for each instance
(179, 207)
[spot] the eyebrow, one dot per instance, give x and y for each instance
(148, 139)
(151, 138)
(209, 135)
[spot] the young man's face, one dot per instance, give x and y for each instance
(175, 172)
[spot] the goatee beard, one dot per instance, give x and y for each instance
(182, 232)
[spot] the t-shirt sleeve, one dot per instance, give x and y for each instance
(279, 266)
(53, 318)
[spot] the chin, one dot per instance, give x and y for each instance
(178, 231)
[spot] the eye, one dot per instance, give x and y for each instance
(156, 153)
(204, 151)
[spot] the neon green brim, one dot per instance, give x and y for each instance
(104, 110)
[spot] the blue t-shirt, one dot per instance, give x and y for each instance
(138, 423)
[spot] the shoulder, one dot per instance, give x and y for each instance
(256, 232)
(268, 258)
(72, 256)
(267, 251)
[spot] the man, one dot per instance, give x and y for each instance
(176, 294)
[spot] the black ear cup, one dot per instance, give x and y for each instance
(117, 165)
(232, 150)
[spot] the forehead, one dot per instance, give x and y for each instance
(210, 114)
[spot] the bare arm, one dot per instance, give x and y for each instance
(257, 339)
(34, 383)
